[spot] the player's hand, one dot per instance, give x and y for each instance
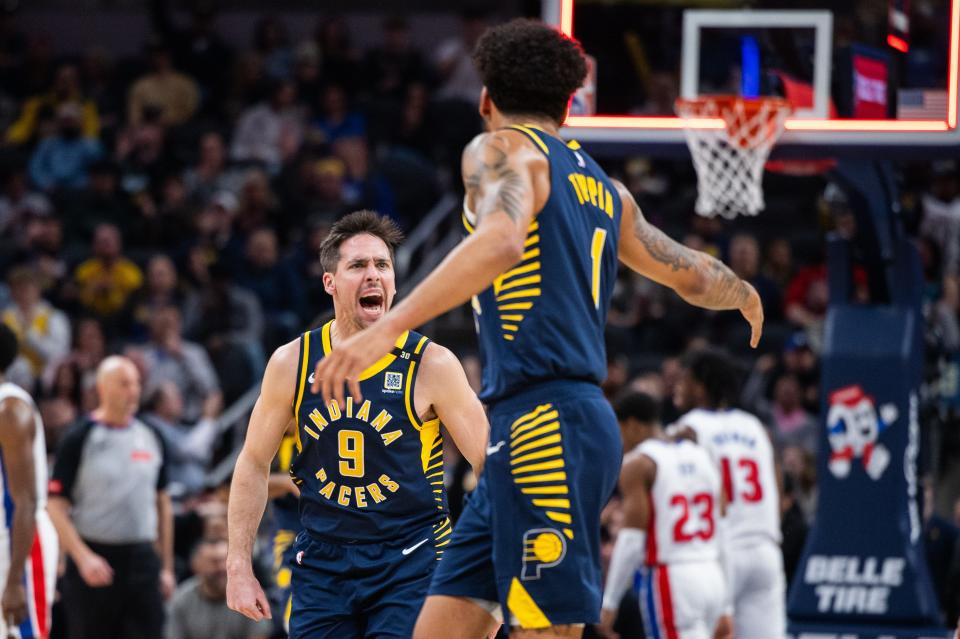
(605, 627)
(95, 571)
(245, 595)
(350, 358)
(168, 583)
(724, 629)
(14, 604)
(752, 311)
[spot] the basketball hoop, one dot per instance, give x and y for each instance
(729, 158)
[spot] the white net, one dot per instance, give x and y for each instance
(729, 160)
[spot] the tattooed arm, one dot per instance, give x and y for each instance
(695, 276)
(503, 176)
(507, 181)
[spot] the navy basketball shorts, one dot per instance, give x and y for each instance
(529, 537)
(363, 591)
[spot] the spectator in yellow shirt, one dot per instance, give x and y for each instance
(106, 280)
(41, 109)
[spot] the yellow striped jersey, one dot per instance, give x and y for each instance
(543, 318)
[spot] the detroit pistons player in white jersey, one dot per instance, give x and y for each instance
(28, 541)
(672, 504)
(741, 448)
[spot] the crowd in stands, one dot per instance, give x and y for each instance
(170, 207)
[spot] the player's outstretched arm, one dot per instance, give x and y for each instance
(499, 170)
(248, 491)
(455, 403)
(696, 277)
(16, 439)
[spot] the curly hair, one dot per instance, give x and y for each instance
(718, 374)
(358, 223)
(530, 68)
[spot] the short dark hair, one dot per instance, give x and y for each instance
(530, 68)
(640, 406)
(718, 374)
(9, 347)
(358, 223)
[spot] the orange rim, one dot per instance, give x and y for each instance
(697, 107)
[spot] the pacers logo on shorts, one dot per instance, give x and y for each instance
(542, 548)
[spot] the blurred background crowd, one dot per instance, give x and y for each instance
(168, 205)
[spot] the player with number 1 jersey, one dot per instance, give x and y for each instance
(544, 227)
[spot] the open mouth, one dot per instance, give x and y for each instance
(371, 301)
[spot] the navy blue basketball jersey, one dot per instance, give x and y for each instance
(544, 318)
(370, 470)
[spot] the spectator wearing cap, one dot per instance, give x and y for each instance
(105, 281)
(270, 132)
(42, 330)
(62, 160)
(199, 607)
(65, 89)
(109, 503)
(174, 95)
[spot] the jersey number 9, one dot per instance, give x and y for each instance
(351, 453)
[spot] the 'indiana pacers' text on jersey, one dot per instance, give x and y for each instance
(368, 470)
(543, 319)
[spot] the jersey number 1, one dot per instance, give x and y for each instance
(596, 251)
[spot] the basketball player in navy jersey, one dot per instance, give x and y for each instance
(369, 470)
(545, 228)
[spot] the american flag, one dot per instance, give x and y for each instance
(922, 104)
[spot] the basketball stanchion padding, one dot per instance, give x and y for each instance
(729, 159)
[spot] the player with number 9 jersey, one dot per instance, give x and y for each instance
(372, 508)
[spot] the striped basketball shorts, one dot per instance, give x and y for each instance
(39, 577)
(527, 544)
